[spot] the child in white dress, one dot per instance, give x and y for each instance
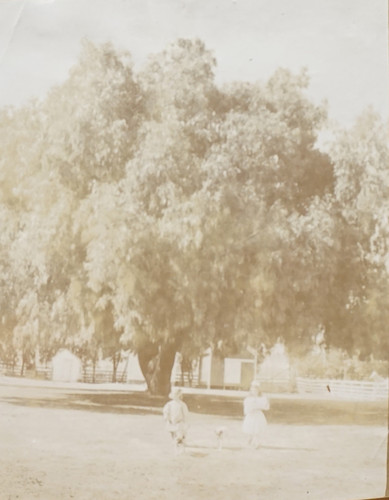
(254, 420)
(175, 413)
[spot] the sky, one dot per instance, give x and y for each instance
(343, 43)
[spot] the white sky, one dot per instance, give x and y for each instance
(342, 42)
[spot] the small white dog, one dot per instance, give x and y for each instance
(220, 433)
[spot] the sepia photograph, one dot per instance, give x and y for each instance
(194, 249)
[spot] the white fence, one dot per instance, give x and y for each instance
(353, 389)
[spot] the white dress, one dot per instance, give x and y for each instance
(254, 420)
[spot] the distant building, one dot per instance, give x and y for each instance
(133, 372)
(237, 371)
(233, 372)
(66, 367)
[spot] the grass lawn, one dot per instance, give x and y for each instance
(59, 444)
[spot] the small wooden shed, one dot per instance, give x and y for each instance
(235, 371)
(66, 367)
(133, 372)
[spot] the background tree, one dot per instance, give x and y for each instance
(360, 157)
(54, 152)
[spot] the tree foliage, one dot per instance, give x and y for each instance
(160, 212)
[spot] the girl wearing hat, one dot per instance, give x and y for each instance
(175, 413)
(254, 421)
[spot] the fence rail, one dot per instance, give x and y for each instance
(373, 391)
(186, 379)
(98, 377)
(16, 369)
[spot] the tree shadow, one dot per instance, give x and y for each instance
(70, 404)
(282, 411)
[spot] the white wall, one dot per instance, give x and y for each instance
(134, 373)
(205, 372)
(232, 371)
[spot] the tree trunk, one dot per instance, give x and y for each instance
(156, 363)
(115, 364)
(123, 378)
(36, 360)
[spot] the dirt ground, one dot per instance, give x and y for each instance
(51, 449)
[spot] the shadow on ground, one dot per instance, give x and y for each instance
(283, 411)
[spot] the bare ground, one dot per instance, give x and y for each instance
(51, 449)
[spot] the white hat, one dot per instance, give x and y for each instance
(176, 392)
(255, 384)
